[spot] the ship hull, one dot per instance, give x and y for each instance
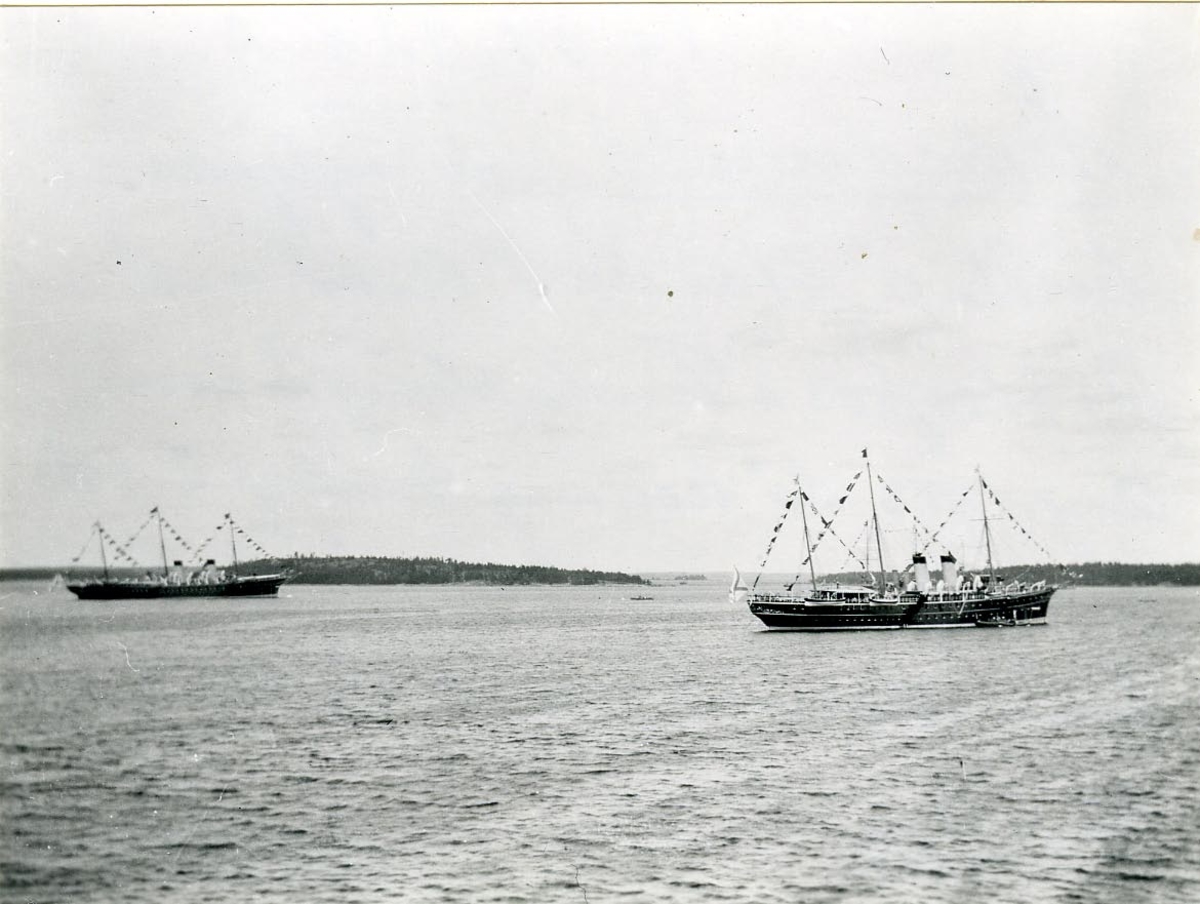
(787, 613)
(262, 585)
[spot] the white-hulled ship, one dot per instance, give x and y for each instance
(175, 580)
(955, 600)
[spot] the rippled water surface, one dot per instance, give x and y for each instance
(570, 744)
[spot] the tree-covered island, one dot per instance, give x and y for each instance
(430, 570)
(313, 569)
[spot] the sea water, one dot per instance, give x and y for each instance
(572, 744)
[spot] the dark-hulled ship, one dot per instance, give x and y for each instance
(954, 601)
(190, 584)
(847, 608)
(174, 581)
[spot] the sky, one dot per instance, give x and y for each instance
(590, 286)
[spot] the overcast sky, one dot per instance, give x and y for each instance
(588, 286)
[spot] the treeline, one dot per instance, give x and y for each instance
(1086, 574)
(1101, 574)
(377, 570)
(310, 569)
(374, 570)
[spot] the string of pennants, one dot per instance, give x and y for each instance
(236, 532)
(827, 529)
(120, 553)
(121, 550)
(917, 521)
(250, 541)
(862, 532)
(787, 507)
(954, 508)
(200, 549)
(173, 531)
(850, 553)
(1016, 523)
(137, 533)
(827, 523)
(79, 556)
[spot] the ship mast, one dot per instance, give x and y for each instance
(867, 563)
(162, 544)
(987, 532)
(807, 546)
(232, 541)
(103, 557)
(875, 518)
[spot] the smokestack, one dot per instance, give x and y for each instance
(950, 571)
(921, 572)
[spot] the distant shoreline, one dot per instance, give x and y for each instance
(368, 571)
(372, 570)
(7, 576)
